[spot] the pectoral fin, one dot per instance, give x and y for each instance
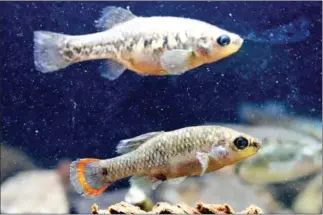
(177, 61)
(204, 161)
(145, 183)
(216, 153)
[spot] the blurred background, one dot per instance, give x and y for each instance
(270, 89)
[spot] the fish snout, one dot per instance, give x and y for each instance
(256, 144)
(238, 41)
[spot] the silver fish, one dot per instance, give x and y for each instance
(158, 45)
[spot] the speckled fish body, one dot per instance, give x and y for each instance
(147, 45)
(163, 156)
(173, 154)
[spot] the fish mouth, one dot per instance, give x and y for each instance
(238, 41)
(256, 144)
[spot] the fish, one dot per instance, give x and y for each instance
(156, 45)
(138, 197)
(281, 160)
(163, 156)
(310, 199)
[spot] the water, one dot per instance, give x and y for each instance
(77, 113)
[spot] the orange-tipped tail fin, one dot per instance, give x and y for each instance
(88, 177)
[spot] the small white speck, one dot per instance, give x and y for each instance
(230, 14)
(36, 131)
(277, 82)
(307, 152)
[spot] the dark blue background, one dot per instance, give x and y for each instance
(38, 109)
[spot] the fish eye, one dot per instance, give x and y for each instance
(240, 142)
(223, 40)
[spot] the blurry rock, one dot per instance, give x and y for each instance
(214, 209)
(252, 209)
(138, 197)
(63, 170)
(95, 210)
(187, 209)
(310, 199)
(82, 204)
(13, 160)
(221, 186)
(145, 205)
(166, 208)
(36, 191)
(266, 195)
(120, 208)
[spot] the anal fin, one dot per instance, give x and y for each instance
(156, 184)
(111, 69)
(142, 183)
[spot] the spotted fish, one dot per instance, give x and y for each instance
(155, 157)
(158, 45)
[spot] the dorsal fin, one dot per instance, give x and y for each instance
(131, 144)
(112, 16)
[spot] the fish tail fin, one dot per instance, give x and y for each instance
(88, 177)
(47, 56)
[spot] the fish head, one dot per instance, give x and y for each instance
(239, 145)
(223, 44)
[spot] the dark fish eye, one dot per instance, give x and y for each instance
(240, 142)
(223, 40)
